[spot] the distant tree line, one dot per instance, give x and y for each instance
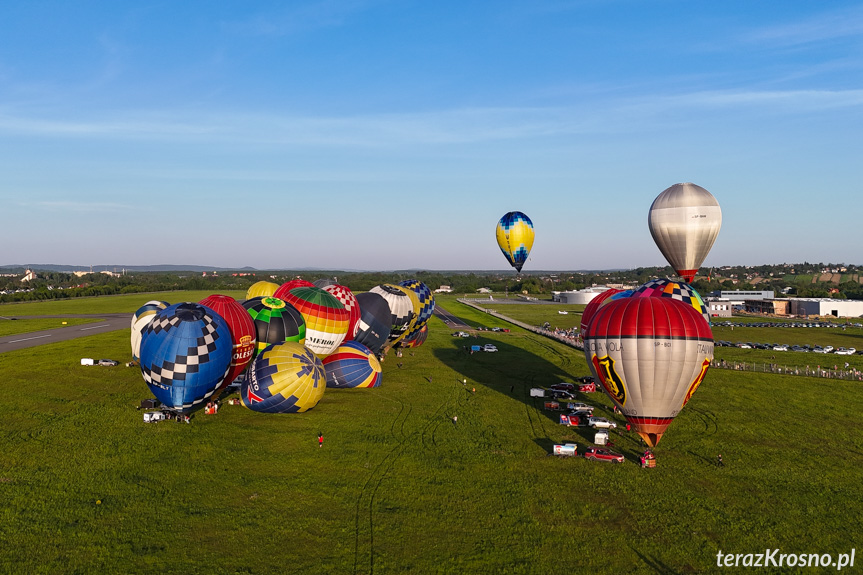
(59, 285)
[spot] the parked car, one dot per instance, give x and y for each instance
(563, 386)
(579, 407)
(845, 351)
(602, 454)
(780, 348)
(107, 362)
(600, 422)
(828, 348)
(461, 334)
(562, 394)
(489, 347)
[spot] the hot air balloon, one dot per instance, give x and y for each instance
(140, 319)
(243, 332)
(649, 354)
(352, 365)
(286, 287)
(375, 321)
(663, 287)
(185, 355)
(684, 221)
(326, 318)
(417, 339)
(426, 301)
(261, 289)
(275, 321)
(592, 306)
(404, 306)
(515, 238)
(349, 300)
(285, 378)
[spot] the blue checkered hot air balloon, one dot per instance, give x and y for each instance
(185, 354)
(426, 299)
(515, 238)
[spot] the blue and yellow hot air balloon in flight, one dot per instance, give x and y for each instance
(515, 238)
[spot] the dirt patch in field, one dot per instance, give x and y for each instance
(823, 278)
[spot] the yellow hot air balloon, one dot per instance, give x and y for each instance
(285, 378)
(515, 238)
(261, 289)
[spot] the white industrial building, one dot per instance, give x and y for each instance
(719, 307)
(741, 295)
(582, 296)
(826, 306)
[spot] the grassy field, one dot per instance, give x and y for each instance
(107, 304)
(87, 487)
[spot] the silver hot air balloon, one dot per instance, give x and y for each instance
(684, 221)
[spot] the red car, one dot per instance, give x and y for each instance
(601, 454)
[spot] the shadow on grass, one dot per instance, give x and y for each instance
(512, 371)
(655, 564)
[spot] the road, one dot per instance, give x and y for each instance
(449, 319)
(110, 322)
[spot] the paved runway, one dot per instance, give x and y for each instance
(449, 319)
(110, 322)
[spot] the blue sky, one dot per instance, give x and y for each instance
(394, 134)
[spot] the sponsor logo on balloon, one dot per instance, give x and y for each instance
(252, 397)
(698, 379)
(609, 378)
(274, 302)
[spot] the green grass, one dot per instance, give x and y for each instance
(87, 487)
(108, 304)
(8, 327)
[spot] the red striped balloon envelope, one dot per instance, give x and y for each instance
(592, 306)
(286, 287)
(243, 333)
(326, 318)
(649, 355)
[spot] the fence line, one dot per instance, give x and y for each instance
(572, 342)
(755, 367)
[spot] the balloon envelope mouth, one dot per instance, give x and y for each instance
(190, 312)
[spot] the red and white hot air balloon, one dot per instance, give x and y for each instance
(243, 332)
(649, 355)
(592, 306)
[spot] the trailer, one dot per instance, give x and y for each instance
(153, 416)
(552, 405)
(566, 450)
(537, 392)
(573, 419)
(601, 437)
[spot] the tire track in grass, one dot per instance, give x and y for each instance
(366, 497)
(436, 418)
(365, 507)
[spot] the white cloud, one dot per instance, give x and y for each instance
(441, 127)
(66, 206)
(818, 28)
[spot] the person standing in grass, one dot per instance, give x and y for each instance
(320, 440)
